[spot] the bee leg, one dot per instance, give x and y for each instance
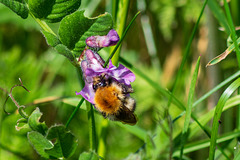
(104, 114)
(126, 89)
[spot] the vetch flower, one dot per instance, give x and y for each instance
(108, 89)
(103, 41)
(93, 67)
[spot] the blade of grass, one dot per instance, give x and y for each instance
(165, 93)
(187, 51)
(204, 119)
(234, 38)
(195, 146)
(217, 115)
(205, 96)
(135, 130)
(237, 156)
(102, 145)
(120, 41)
(189, 107)
(233, 32)
(121, 20)
(218, 13)
(155, 85)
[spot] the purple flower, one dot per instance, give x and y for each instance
(103, 41)
(93, 67)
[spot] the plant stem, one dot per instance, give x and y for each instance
(92, 128)
(102, 138)
(74, 112)
(43, 25)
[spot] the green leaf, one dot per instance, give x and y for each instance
(53, 10)
(63, 50)
(41, 8)
(40, 143)
(217, 115)
(75, 28)
(189, 107)
(88, 156)
(22, 125)
(35, 125)
(65, 144)
(52, 40)
(19, 7)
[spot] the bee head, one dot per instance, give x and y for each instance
(101, 81)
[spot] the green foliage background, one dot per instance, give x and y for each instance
(154, 45)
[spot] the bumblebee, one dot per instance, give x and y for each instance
(113, 101)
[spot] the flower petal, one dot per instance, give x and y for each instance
(103, 41)
(113, 37)
(87, 92)
(121, 73)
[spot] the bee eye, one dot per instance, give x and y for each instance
(95, 87)
(103, 84)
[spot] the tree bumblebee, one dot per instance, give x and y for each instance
(113, 101)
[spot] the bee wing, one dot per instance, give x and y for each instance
(126, 116)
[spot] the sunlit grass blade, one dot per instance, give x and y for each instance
(121, 20)
(120, 41)
(135, 130)
(195, 146)
(155, 85)
(237, 157)
(219, 14)
(217, 115)
(233, 32)
(235, 42)
(189, 107)
(204, 119)
(164, 92)
(205, 96)
(187, 51)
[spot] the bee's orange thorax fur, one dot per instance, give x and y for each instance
(106, 99)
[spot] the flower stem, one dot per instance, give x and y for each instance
(92, 128)
(74, 112)
(102, 138)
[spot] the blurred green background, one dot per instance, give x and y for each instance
(154, 45)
